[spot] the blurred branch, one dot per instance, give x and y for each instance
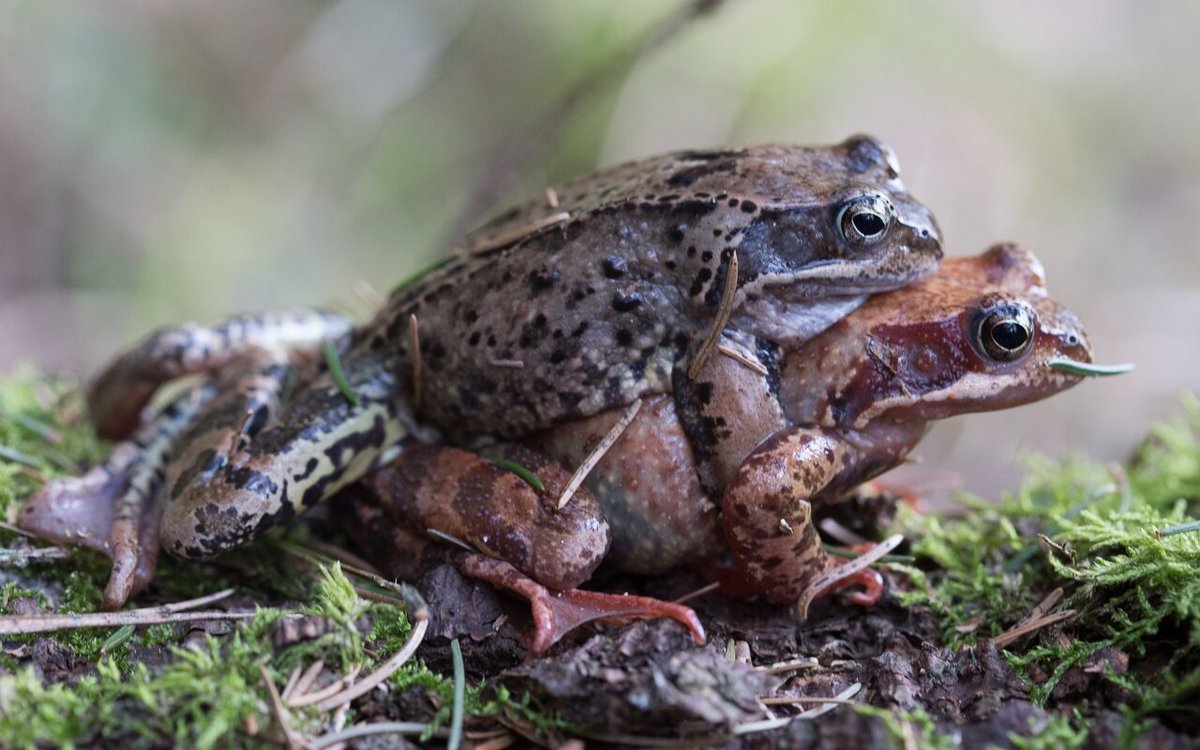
(507, 161)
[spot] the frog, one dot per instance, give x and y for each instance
(980, 334)
(575, 303)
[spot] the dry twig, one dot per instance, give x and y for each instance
(594, 457)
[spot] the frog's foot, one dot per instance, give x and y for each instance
(84, 510)
(114, 508)
(556, 613)
(856, 571)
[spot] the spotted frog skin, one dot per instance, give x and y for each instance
(979, 335)
(566, 307)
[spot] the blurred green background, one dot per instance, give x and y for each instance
(170, 161)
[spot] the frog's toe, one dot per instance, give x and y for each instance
(557, 613)
(83, 511)
(134, 552)
(856, 571)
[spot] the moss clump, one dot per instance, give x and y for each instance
(43, 434)
(1123, 546)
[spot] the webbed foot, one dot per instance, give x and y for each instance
(557, 613)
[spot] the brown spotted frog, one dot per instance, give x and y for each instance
(980, 334)
(566, 307)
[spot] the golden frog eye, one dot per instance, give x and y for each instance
(865, 219)
(1005, 333)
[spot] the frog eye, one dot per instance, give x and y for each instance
(865, 219)
(1005, 333)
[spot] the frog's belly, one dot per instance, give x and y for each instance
(647, 484)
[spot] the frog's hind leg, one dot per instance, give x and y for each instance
(514, 532)
(243, 470)
(557, 613)
(112, 508)
(125, 386)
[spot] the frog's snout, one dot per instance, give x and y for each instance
(925, 237)
(1073, 343)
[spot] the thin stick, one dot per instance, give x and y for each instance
(291, 683)
(381, 674)
(444, 537)
(737, 355)
(498, 743)
(791, 665)
(594, 457)
(10, 625)
(197, 602)
(551, 197)
(788, 700)
(278, 710)
(698, 593)
(366, 730)
(720, 321)
(1047, 604)
(14, 624)
(512, 235)
(32, 554)
(307, 679)
(846, 694)
(332, 688)
(414, 342)
(17, 530)
(1030, 626)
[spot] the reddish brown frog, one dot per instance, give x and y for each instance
(981, 334)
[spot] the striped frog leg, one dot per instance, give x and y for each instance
(111, 508)
(118, 395)
(243, 471)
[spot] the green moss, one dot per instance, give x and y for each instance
(43, 434)
(1052, 732)
(911, 728)
(1096, 533)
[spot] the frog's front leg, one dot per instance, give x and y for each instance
(728, 405)
(125, 386)
(767, 518)
(242, 472)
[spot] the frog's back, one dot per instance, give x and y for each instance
(771, 175)
(580, 302)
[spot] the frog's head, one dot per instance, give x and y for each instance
(848, 227)
(980, 334)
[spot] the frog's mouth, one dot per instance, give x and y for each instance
(1088, 369)
(846, 277)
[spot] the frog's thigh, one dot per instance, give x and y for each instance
(495, 511)
(119, 393)
(236, 476)
(768, 515)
